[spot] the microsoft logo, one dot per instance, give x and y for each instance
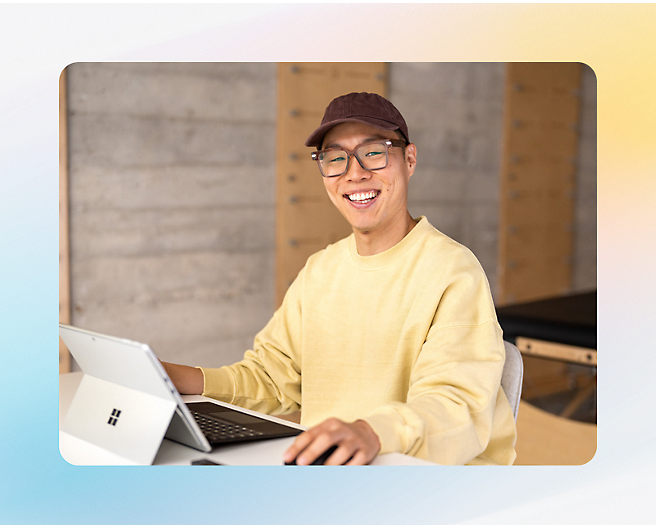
(114, 417)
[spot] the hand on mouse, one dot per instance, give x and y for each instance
(356, 442)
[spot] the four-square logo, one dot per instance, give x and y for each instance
(114, 417)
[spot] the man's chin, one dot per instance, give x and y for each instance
(364, 229)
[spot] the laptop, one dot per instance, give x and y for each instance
(126, 403)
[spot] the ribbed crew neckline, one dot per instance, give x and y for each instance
(384, 259)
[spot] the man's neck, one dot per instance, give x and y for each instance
(371, 243)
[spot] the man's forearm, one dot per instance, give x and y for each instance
(188, 380)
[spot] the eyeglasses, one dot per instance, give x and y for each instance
(372, 155)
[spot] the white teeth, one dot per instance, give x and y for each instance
(361, 197)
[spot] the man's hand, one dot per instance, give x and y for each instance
(188, 380)
(357, 443)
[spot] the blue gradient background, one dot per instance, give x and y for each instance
(37, 41)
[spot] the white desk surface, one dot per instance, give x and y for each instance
(261, 453)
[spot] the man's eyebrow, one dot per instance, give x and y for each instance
(337, 145)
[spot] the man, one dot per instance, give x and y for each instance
(387, 340)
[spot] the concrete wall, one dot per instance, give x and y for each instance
(585, 237)
(455, 117)
(172, 174)
(172, 204)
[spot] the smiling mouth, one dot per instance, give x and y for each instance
(362, 197)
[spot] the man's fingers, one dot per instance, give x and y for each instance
(317, 447)
(340, 457)
(300, 443)
(360, 458)
(309, 445)
(356, 444)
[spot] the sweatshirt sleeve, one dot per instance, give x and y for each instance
(449, 413)
(268, 379)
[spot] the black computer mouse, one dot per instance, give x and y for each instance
(319, 461)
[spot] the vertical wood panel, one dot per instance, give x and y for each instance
(306, 220)
(64, 259)
(538, 176)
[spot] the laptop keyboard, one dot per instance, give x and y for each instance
(218, 431)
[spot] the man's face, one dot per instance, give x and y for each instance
(371, 201)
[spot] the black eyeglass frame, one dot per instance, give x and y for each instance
(352, 153)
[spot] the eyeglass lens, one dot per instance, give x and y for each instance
(372, 156)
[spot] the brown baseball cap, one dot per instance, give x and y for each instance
(361, 107)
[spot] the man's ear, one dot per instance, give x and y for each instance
(411, 157)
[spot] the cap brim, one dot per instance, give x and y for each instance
(316, 137)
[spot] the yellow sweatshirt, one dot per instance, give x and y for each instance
(407, 340)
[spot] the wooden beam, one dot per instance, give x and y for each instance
(559, 351)
(538, 176)
(64, 251)
(306, 219)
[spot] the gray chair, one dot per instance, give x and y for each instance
(512, 376)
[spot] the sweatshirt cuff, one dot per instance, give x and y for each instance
(386, 432)
(218, 384)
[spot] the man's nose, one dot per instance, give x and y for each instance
(355, 172)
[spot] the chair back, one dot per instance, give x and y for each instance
(512, 376)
